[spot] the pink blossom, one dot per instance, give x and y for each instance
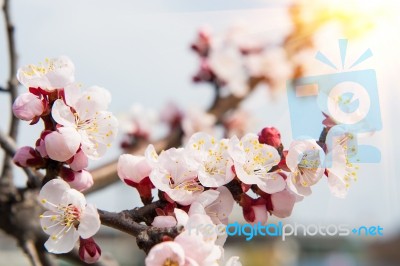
(213, 159)
(79, 180)
(89, 251)
(68, 217)
(79, 162)
(166, 253)
(283, 203)
(175, 173)
(305, 161)
(253, 161)
(133, 169)
(95, 127)
(27, 106)
(54, 73)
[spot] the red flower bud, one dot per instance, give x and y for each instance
(270, 136)
(89, 251)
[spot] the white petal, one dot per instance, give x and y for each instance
(52, 192)
(181, 217)
(207, 197)
(48, 221)
(75, 198)
(64, 244)
(297, 188)
(163, 251)
(272, 184)
(89, 222)
(62, 114)
(72, 94)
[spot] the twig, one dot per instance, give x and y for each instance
(30, 250)
(12, 81)
(12, 89)
(146, 236)
(8, 144)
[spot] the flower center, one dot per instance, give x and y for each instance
(64, 216)
(170, 262)
(40, 68)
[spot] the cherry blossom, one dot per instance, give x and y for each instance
(283, 203)
(253, 161)
(68, 217)
(135, 171)
(340, 170)
(196, 120)
(227, 63)
(27, 106)
(139, 122)
(305, 160)
(166, 253)
(175, 173)
(85, 113)
(217, 204)
(213, 157)
(54, 73)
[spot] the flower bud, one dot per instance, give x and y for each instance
(81, 180)
(27, 157)
(62, 145)
(89, 251)
(27, 106)
(79, 161)
(270, 136)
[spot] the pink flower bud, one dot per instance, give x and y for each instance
(27, 156)
(270, 136)
(81, 180)
(133, 169)
(41, 148)
(79, 161)
(89, 251)
(27, 106)
(61, 145)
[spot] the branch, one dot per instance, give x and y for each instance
(12, 55)
(30, 250)
(146, 236)
(12, 90)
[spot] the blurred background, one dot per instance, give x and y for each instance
(140, 51)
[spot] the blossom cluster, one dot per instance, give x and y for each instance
(77, 127)
(202, 180)
(230, 60)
